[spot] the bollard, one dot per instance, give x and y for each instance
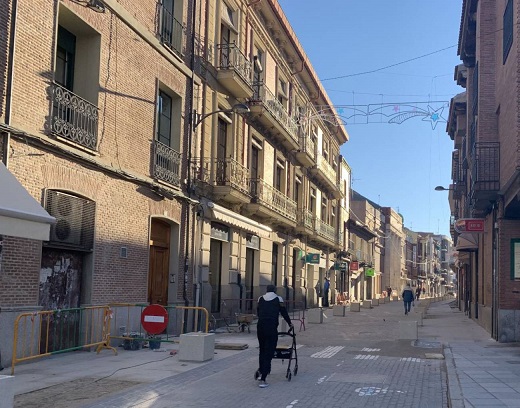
(367, 304)
(338, 310)
(315, 315)
(355, 307)
(375, 302)
(196, 347)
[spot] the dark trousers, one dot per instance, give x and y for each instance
(267, 333)
(407, 306)
(325, 300)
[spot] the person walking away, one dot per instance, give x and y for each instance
(326, 287)
(270, 306)
(408, 298)
(389, 291)
(418, 292)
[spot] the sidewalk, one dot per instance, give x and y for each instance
(476, 372)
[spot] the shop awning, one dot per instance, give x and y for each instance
(20, 214)
(234, 219)
(467, 241)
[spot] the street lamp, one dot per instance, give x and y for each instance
(238, 108)
(441, 188)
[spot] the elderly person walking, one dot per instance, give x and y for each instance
(270, 306)
(408, 298)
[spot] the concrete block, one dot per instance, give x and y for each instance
(315, 315)
(338, 310)
(375, 302)
(395, 297)
(366, 304)
(354, 307)
(6, 391)
(196, 346)
(408, 330)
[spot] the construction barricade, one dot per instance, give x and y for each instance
(44, 333)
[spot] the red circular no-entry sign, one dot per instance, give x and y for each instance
(154, 319)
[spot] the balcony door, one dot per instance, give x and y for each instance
(65, 58)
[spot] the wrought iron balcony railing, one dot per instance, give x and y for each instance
(167, 164)
(172, 32)
(272, 198)
(222, 172)
(74, 118)
(485, 168)
(327, 169)
(326, 231)
(230, 57)
(306, 219)
(307, 145)
(262, 94)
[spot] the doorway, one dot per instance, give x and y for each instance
(249, 278)
(159, 262)
(215, 274)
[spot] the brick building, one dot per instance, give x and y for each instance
(484, 126)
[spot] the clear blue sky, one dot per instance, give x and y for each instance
(394, 165)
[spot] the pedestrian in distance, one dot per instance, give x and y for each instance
(408, 298)
(389, 291)
(326, 287)
(418, 292)
(270, 306)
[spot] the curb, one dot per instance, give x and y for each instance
(455, 396)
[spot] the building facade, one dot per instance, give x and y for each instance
(484, 125)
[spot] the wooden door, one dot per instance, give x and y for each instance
(159, 263)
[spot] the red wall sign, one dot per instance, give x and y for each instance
(354, 265)
(154, 319)
(469, 225)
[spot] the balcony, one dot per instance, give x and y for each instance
(485, 173)
(272, 115)
(271, 204)
(326, 234)
(305, 220)
(172, 32)
(167, 164)
(324, 172)
(223, 179)
(306, 155)
(234, 71)
(73, 118)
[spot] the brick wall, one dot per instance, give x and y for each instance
(19, 271)
(508, 289)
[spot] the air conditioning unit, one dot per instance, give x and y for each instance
(68, 211)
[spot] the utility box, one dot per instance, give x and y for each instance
(196, 347)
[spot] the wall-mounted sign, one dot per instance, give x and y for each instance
(312, 258)
(469, 225)
(340, 266)
(354, 266)
(252, 241)
(369, 272)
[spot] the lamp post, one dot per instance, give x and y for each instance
(441, 188)
(199, 118)
(196, 120)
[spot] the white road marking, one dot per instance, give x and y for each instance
(412, 359)
(370, 391)
(292, 404)
(365, 357)
(370, 349)
(320, 380)
(328, 352)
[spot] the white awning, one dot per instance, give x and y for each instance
(234, 219)
(467, 242)
(20, 214)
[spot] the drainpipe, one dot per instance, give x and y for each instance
(9, 89)
(10, 79)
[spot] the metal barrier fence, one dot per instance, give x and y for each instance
(232, 311)
(43, 333)
(126, 323)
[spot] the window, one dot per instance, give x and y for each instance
(164, 128)
(297, 189)
(326, 149)
(222, 139)
(283, 93)
(278, 175)
(507, 34)
(274, 264)
(65, 58)
(324, 207)
(312, 200)
(172, 31)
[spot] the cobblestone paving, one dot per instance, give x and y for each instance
(340, 380)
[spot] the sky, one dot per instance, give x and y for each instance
(398, 149)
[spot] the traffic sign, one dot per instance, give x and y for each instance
(154, 319)
(469, 225)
